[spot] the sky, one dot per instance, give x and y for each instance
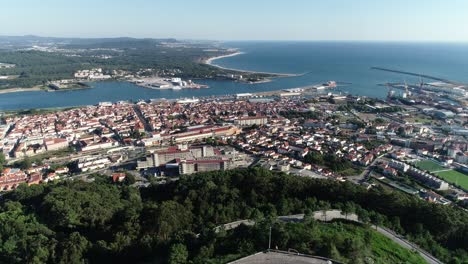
(361, 20)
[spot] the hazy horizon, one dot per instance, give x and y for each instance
(242, 20)
(249, 40)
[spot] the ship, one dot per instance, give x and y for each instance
(327, 85)
(188, 101)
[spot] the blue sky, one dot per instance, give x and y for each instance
(395, 20)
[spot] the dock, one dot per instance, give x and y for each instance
(418, 75)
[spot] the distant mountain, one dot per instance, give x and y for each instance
(30, 40)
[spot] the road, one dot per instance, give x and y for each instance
(406, 244)
(330, 215)
(307, 173)
(142, 118)
(358, 179)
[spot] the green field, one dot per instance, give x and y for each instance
(454, 176)
(428, 165)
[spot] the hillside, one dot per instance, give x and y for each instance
(70, 222)
(38, 60)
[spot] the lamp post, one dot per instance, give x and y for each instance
(269, 240)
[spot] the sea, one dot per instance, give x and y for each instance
(348, 63)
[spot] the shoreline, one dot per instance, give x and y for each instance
(134, 101)
(16, 90)
(39, 89)
(210, 61)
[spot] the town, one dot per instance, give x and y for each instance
(417, 149)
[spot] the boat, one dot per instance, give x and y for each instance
(331, 84)
(327, 85)
(188, 101)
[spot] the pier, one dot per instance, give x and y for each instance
(418, 75)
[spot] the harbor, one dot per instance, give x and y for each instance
(159, 83)
(423, 91)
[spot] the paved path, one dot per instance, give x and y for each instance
(281, 257)
(406, 244)
(330, 215)
(440, 170)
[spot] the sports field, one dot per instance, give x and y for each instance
(453, 176)
(429, 165)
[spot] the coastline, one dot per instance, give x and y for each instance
(210, 61)
(39, 89)
(15, 90)
(205, 97)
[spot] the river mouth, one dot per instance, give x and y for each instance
(344, 62)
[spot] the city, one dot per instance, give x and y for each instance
(376, 142)
(246, 132)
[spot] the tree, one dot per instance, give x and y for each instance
(24, 164)
(178, 254)
(23, 238)
(348, 208)
(74, 248)
(363, 216)
(80, 204)
(376, 219)
(379, 120)
(106, 222)
(401, 131)
(324, 215)
(333, 251)
(314, 158)
(170, 218)
(129, 179)
(2, 160)
(396, 225)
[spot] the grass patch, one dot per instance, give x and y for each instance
(344, 241)
(454, 177)
(419, 119)
(350, 172)
(429, 165)
(382, 249)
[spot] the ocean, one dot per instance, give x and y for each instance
(344, 62)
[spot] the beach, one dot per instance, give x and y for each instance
(14, 90)
(276, 74)
(210, 60)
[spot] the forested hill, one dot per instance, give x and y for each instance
(78, 222)
(29, 40)
(38, 60)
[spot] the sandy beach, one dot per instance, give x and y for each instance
(210, 62)
(14, 90)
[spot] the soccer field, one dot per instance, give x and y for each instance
(456, 177)
(429, 165)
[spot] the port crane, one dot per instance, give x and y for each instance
(391, 92)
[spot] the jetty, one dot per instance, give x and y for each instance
(418, 75)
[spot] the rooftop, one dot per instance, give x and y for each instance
(281, 257)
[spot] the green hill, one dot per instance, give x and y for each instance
(341, 241)
(102, 222)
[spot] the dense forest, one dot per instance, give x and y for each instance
(35, 67)
(79, 222)
(341, 241)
